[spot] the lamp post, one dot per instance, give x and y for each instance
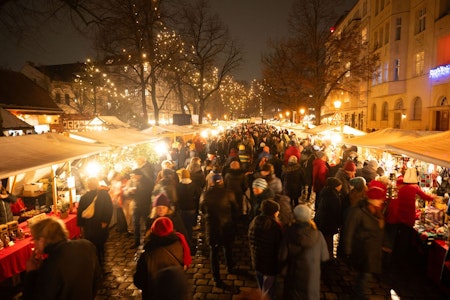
(302, 115)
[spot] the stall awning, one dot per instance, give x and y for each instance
(432, 149)
(380, 138)
(21, 154)
(325, 128)
(115, 137)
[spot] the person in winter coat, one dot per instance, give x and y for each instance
(71, 269)
(188, 194)
(344, 174)
(95, 229)
(320, 174)
(329, 212)
(6, 200)
(358, 191)
(264, 236)
(268, 173)
(261, 191)
(302, 251)
(292, 149)
(235, 180)
(220, 210)
(197, 175)
(293, 178)
(368, 171)
(164, 248)
(363, 236)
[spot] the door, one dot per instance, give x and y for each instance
(442, 120)
(397, 119)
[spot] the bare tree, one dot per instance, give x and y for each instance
(211, 53)
(313, 62)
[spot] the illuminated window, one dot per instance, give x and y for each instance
(384, 111)
(418, 62)
(417, 109)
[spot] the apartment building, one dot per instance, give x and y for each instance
(411, 85)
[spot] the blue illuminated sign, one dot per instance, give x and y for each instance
(440, 72)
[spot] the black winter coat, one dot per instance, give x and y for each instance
(329, 211)
(220, 209)
(71, 271)
(264, 237)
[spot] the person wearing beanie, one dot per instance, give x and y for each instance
(188, 195)
(363, 237)
(328, 216)
(291, 150)
(358, 191)
(164, 248)
(261, 192)
(221, 211)
(292, 178)
(264, 236)
(368, 171)
(162, 207)
(344, 174)
(268, 173)
(236, 181)
(302, 251)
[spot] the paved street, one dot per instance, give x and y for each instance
(337, 282)
(337, 279)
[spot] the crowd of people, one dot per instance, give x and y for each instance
(295, 204)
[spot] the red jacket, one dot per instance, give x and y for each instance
(406, 206)
(291, 150)
(320, 174)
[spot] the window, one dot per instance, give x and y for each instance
(421, 17)
(67, 99)
(386, 72)
(375, 40)
(374, 112)
(364, 35)
(380, 42)
(377, 76)
(417, 109)
(398, 29)
(384, 111)
(419, 61)
(377, 4)
(386, 33)
(58, 98)
(396, 69)
(364, 10)
(381, 5)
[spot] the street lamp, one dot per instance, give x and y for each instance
(287, 116)
(302, 115)
(337, 105)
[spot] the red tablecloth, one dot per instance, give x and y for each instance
(13, 259)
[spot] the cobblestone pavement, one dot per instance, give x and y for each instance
(337, 278)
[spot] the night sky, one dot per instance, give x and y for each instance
(252, 22)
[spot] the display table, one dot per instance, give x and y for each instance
(13, 259)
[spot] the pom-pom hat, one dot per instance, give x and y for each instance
(162, 226)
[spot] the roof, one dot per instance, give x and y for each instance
(19, 92)
(64, 72)
(25, 153)
(11, 122)
(324, 128)
(432, 149)
(115, 137)
(109, 121)
(380, 138)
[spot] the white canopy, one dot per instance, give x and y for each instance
(380, 138)
(325, 128)
(21, 154)
(115, 137)
(432, 149)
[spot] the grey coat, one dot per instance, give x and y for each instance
(302, 251)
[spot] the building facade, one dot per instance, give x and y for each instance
(411, 85)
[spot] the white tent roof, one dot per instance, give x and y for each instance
(111, 121)
(25, 153)
(115, 137)
(432, 149)
(325, 128)
(380, 138)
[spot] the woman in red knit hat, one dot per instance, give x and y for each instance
(164, 248)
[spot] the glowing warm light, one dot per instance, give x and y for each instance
(403, 116)
(302, 111)
(161, 148)
(93, 169)
(337, 104)
(204, 133)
